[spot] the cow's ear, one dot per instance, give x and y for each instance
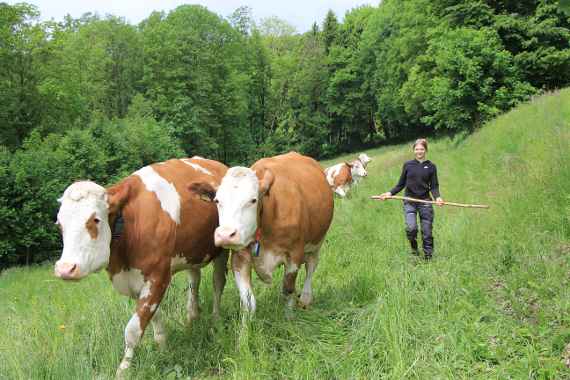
(117, 196)
(204, 190)
(349, 164)
(266, 178)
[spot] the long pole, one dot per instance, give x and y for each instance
(377, 197)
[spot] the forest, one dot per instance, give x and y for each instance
(97, 97)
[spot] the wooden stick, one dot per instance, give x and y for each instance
(377, 197)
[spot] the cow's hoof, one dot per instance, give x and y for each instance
(305, 300)
(192, 316)
(289, 314)
(121, 373)
(160, 341)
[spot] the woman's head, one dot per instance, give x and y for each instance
(420, 148)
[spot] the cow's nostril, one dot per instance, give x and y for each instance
(72, 269)
(233, 234)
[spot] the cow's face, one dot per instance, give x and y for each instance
(83, 218)
(357, 169)
(364, 158)
(238, 200)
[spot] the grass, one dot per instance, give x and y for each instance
(494, 303)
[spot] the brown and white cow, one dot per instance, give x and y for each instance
(276, 212)
(165, 229)
(341, 176)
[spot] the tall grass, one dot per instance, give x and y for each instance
(494, 302)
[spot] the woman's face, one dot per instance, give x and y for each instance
(420, 152)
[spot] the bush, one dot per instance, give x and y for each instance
(7, 213)
(36, 175)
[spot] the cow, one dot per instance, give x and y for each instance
(341, 176)
(143, 230)
(276, 212)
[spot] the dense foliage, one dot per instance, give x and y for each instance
(97, 97)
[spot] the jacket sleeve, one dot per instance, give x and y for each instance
(434, 184)
(401, 183)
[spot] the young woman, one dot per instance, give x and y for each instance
(419, 177)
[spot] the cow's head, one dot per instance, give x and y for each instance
(364, 158)
(238, 199)
(83, 219)
(357, 169)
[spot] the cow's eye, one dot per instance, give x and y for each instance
(96, 220)
(253, 201)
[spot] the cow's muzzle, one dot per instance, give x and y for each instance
(226, 237)
(67, 271)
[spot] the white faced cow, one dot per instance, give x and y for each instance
(164, 229)
(341, 176)
(276, 212)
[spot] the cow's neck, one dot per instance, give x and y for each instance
(117, 225)
(259, 230)
(118, 261)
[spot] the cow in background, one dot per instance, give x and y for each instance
(341, 176)
(143, 230)
(276, 212)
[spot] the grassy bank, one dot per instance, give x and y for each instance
(494, 303)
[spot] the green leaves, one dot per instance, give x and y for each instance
(564, 6)
(192, 78)
(35, 176)
(455, 84)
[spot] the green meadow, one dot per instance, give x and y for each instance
(493, 304)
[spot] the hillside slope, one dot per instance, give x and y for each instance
(494, 303)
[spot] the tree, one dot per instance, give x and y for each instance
(349, 101)
(242, 20)
(330, 30)
(95, 67)
(308, 117)
(191, 76)
(259, 72)
(396, 35)
(464, 79)
(22, 41)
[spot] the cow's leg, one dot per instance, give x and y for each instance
(219, 274)
(149, 298)
(311, 262)
(194, 276)
(291, 270)
(158, 329)
(241, 266)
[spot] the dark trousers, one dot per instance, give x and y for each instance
(425, 211)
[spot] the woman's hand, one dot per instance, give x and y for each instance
(385, 196)
(439, 201)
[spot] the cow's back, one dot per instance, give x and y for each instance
(167, 219)
(300, 196)
(198, 218)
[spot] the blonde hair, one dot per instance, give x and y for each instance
(422, 142)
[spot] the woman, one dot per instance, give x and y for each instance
(419, 176)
